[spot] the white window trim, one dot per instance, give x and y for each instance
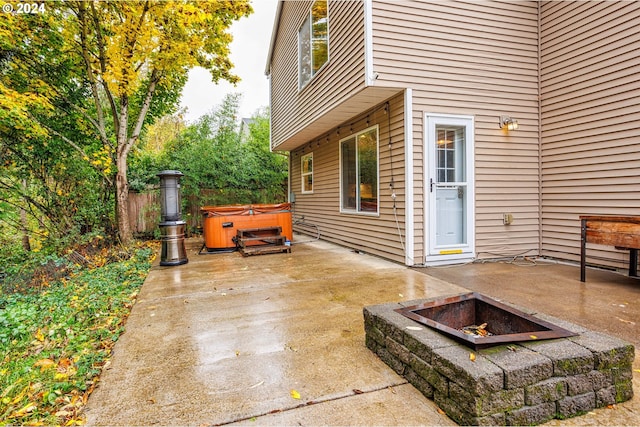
(305, 84)
(304, 174)
(355, 135)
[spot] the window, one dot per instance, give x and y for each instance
(313, 42)
(359, 172)
(306, 168)
(450, 156)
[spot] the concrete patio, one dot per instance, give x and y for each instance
(279, 339)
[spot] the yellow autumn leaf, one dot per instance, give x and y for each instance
(20, 395)
(39, 335)
(533, 337)
(25, 410)
(472, 357)
(45, 364)
(295, 394)
(61, 376)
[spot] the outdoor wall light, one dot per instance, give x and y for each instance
(508, 122)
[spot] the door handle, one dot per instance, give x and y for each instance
(431, 185)
(460, 192)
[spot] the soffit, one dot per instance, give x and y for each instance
(336, 116)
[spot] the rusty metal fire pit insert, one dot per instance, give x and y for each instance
(505, 324)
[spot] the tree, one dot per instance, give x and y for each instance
(215, 155)
(130, 58)
(265, 169)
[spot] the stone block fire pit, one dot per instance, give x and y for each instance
(481, 322)
(516, 383)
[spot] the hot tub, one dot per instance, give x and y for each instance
(221, 223)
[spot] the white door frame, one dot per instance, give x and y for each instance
(435, 255)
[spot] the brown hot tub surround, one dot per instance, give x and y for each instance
(522, 383)
(221, 223)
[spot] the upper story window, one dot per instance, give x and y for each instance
(313, 42)
(359, 172)
(307, 173)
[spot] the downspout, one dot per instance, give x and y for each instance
(539, 139)
(369, 73)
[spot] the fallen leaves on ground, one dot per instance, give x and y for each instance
(30, 407)
(44, 364)
(295, 394)
(55, 343)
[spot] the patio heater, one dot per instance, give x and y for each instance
(171, 226)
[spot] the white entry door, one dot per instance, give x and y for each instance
(449, 179)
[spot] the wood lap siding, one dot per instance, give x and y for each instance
(371, 234)
(294, 108)
(480, 59)
(590, 121)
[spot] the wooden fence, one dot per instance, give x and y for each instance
(144, 212)
(144, 209)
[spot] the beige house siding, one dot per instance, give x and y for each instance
(292, 108)
(378, 235)
(590, 118)
(567, 71)
(478, 59)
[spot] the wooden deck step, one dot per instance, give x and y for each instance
(257, 241)
(264, 249)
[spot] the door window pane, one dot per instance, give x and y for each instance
(450, 191)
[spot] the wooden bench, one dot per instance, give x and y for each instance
(623, 232)
(256, 241)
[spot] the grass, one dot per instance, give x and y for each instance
(55, 340)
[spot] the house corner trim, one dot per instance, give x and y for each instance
(409, 254)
